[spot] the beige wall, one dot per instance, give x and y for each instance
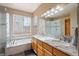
(15, 11)
(73, 18)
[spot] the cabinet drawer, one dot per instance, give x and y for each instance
(33, 45)
(47, 47)
(47, 53)
(40, 52)
(40, 47)
(58, 52)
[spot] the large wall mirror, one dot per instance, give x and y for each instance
(54, 27)
(62, 27)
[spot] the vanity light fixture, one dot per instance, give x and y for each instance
(45, 14)
(51, 14)
(48, 15)
(48, 12)
(56, 11)
(52, 10)
(59, 8)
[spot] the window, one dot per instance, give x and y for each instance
(8, 28)
(27, 24)
(35, 25)
(21, 27)
(18, 24)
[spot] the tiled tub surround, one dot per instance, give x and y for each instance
(62, 46)
(18, 46)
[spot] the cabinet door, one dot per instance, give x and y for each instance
(47, 47)
(40, 47)
(47, 53)
(35, 48)
(34, 45)
(58, 52)
(40, 52)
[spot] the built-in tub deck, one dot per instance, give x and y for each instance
(17, 46)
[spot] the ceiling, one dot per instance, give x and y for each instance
(67, 9)
(28, 7)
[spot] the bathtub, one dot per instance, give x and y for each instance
(17, 46)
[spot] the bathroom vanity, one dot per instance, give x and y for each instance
(44, 46)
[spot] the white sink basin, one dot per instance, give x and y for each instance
(60, 43)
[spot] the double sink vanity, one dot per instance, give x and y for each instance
(49, 46)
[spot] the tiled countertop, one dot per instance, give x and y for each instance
(62, 46)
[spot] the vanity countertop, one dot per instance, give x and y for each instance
(56, 43)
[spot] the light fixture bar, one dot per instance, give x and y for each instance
(52, 11)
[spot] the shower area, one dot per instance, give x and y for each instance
(18, 28)
(15, 32)
(2, 31)
(18, 33)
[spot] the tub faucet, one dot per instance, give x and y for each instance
(13, 41)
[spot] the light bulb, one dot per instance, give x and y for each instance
(52, 14)
(52, 10)
(48, 12)
(61, 9)
(58, 7)
(56, 11)
(44, 14)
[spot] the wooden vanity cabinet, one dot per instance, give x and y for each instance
(59, 53)
(40, 42)
(40, 51)
(47, 47)
(48, 50)
(44, 49)
(47, 53)
(34, 45)
(40, 48)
